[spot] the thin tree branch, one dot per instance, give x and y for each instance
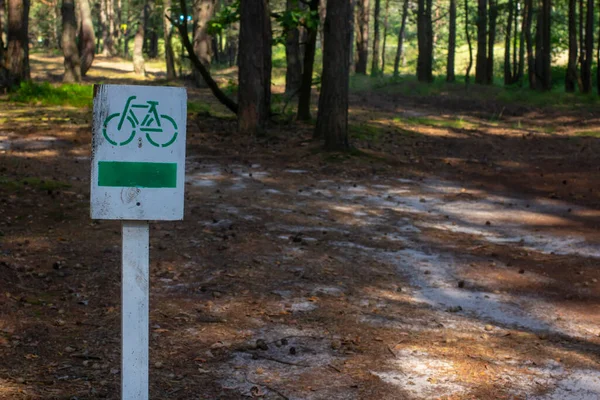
(212, 85)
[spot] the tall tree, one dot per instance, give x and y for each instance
(308, 61)
(2, 23)
(528, 11)
(468, 36)
(508, 76)
(87, 38)
(451, 43)
(362, 37)
(254, 94)
(543, 58)
(376, 39)
(425, 41)
(332, 118)
(107, 22)
(69, 44)
(293, 74)
(17, 50)
(571, 77)
(481, 69)
(493, 16)
(168, 34)
(202, 39)
(588, 48)
(400, 48)
(139, 66)
(385, 33)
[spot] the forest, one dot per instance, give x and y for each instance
(382, 199)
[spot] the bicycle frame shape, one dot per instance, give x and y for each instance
(151, 124)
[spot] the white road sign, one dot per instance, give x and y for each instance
(138, 152)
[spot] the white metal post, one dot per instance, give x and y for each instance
(135, 315)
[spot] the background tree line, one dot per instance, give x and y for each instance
(517, 41)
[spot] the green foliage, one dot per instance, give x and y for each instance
(227, 16)
(45, 94)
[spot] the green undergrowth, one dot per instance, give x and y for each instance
(46, 94)
(35, 183)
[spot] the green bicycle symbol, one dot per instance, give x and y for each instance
(153, 125)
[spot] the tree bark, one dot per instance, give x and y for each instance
(529, 42)
(332, 118)
(587, 51)
(138, 44)
(468, 36)
(451, 43)
(400, 48)
(508, 76)
(425, 41)
(376, 39)
(362, 37)
(571, 77)
(17, 51)
(69, 44)
(293, 73)
(168, 35)
(493, 16)
(543, 59)
(385, 33)
(481, 69)
(108, 24)
(307, 73)
(2, 25)
(87, 38)
(254, 94)
(202, 40)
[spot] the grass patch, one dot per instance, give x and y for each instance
(365, 132)
(35, 183)
(45, 94)
(436, 123)
(592, 134)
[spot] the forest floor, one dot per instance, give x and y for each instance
(454, 256)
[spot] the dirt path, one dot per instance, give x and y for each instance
(454, 261)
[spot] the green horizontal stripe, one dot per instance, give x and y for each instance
(137, 174)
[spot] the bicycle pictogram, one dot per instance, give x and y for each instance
(160, 129)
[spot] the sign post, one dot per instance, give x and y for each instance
(138, 175)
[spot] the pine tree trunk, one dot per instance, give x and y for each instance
(87, 38)
(451, 43)
(588, 50)
(543, 50)
(515, 60)
(522, 45)
(385, 33)
(293, 74)
(108, 24)
(202, 40)
(376, 39)
(17, 50)
(307, 70)
(468, 36)
(529, 43)
(493, 16)
(481, 69)
(571, 77)
(254, 94)
(508, 76)
(2, 26)
(332, 118)
(400, 48)
(69, 44)
(362, 37)
(425, 41)
(138, 44)
(168, 35)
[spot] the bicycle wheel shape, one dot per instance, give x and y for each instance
(111, 125)
(167, 132)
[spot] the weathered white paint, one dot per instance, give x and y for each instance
(134, 313)
(137, 203)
